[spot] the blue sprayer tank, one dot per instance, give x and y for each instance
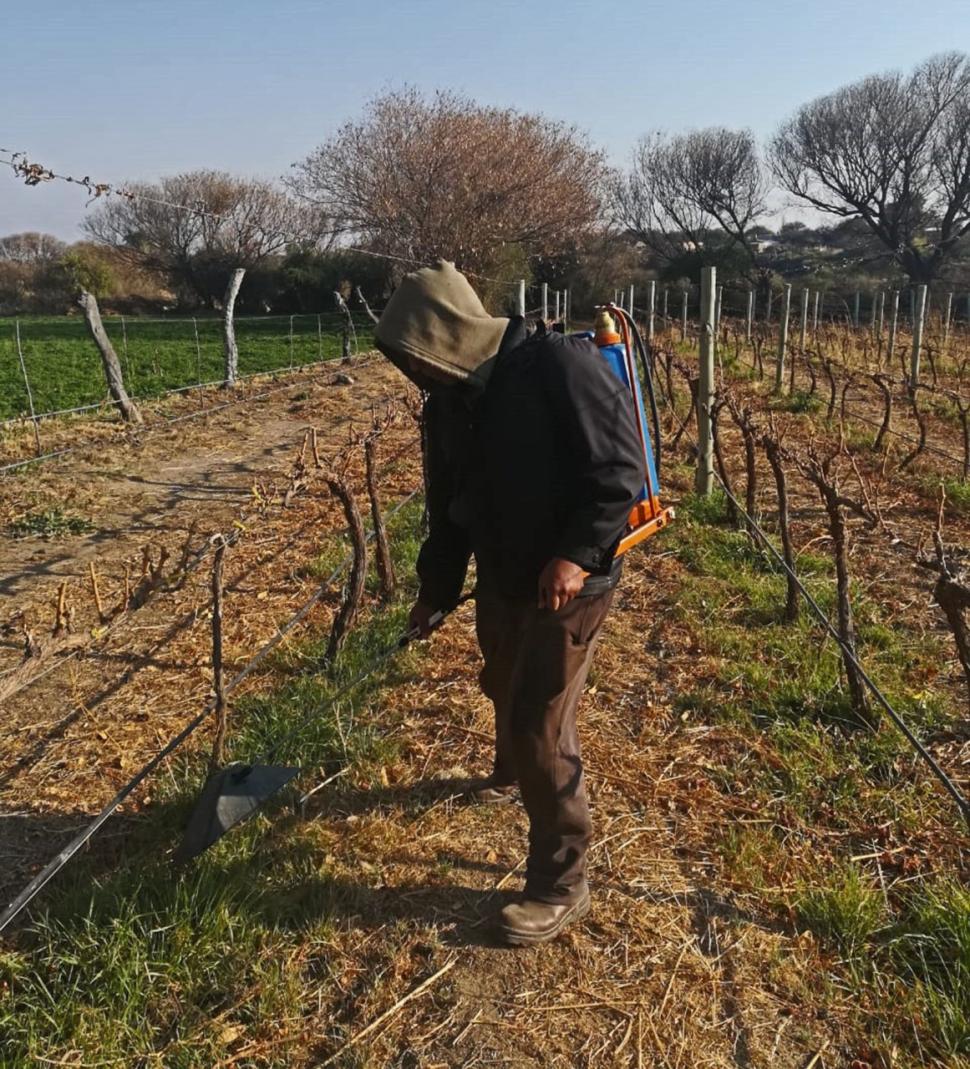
(614, 353)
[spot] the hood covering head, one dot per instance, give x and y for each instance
(435, 323)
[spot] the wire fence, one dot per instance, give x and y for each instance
(50, 364)
(829, 630)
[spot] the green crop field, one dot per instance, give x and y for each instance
(157, 355)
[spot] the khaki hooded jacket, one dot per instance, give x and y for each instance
(532, 450)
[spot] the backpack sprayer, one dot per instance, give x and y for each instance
(648, 516)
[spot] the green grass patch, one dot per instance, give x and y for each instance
(957, 492)
(845, 910)
(899, 947)
(798, 401)
(49, 523)
(133, 960)
(157, 355)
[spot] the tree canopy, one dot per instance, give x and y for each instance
(446, 177)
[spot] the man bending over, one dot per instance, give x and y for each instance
(534, 463)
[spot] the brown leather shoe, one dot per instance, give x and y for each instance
(490, 791)
(528, 922)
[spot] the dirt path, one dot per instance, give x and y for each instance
(93, 712)
(663, 972)
(158, 486)
(670, 969)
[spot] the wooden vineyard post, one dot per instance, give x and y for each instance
(218, 757)
(946, 319)
(557, 305)
(880, 320)
(717, 310)
(750, 316)
(918, 314)
(198, 351)
(704, 477)
(855, 311)
(630, 300)
(683, 318)
(818, 294)
(229, 348)
(545, 302)
(109, 358)
(782, 339)
(666, 295)
(651, 307)
(520, 303)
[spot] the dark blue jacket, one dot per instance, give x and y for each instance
(545, 462)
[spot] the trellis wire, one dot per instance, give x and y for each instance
(36, 417)
(40, 881)
(962, 803)
(17, 465)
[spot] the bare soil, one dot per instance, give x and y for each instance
(669, 969)
(87, 716)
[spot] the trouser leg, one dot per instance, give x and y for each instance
(552, 655)
(497, 625)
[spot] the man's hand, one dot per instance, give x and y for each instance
(559, 582)
(420, 617)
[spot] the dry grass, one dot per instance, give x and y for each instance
(358, 932)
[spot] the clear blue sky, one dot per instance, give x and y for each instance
(135, 90)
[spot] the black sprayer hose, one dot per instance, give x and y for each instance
(644, 356)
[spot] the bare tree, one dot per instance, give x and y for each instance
(31, 248)
(892, 151)
(682, 192)
(446, 177)
(184, 222)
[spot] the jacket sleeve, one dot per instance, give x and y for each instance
(443, 558)
(595, 411)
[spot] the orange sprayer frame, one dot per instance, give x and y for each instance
(649, 516)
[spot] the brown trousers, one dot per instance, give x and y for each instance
(536, 663)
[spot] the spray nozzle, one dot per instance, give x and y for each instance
(605, 329)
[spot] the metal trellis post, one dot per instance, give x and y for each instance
(920, 312)
(893, 328)
(782, 339)
(803, 331)
(704, 476)
(30, 395)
